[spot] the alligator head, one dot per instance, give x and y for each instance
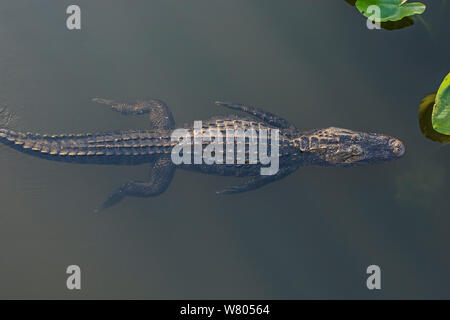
(339, 146)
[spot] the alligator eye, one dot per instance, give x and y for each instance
(356, 150)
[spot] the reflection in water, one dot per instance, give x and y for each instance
(425, 112)
(400, 24)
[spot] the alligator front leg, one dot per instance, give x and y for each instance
(161, 175)
(259, 181)
(159, 114)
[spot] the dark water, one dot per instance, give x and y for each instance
(311, 235)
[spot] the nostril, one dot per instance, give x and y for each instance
(398, 148)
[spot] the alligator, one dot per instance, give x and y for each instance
(323, 147)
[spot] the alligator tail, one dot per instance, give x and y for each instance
(126, 147)
(28, 142)
(63, 147)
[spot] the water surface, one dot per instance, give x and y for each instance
(311, 235)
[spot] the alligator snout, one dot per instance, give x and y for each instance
(398, 148)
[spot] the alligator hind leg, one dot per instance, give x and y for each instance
(259, 181)
(265, 116)
(161, 175)
(159, 114)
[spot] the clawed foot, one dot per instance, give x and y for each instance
(137, 108)
(113, 199)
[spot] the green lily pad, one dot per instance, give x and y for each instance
(425, 111)
(441, 108)
(391, 25)
(390, 10)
